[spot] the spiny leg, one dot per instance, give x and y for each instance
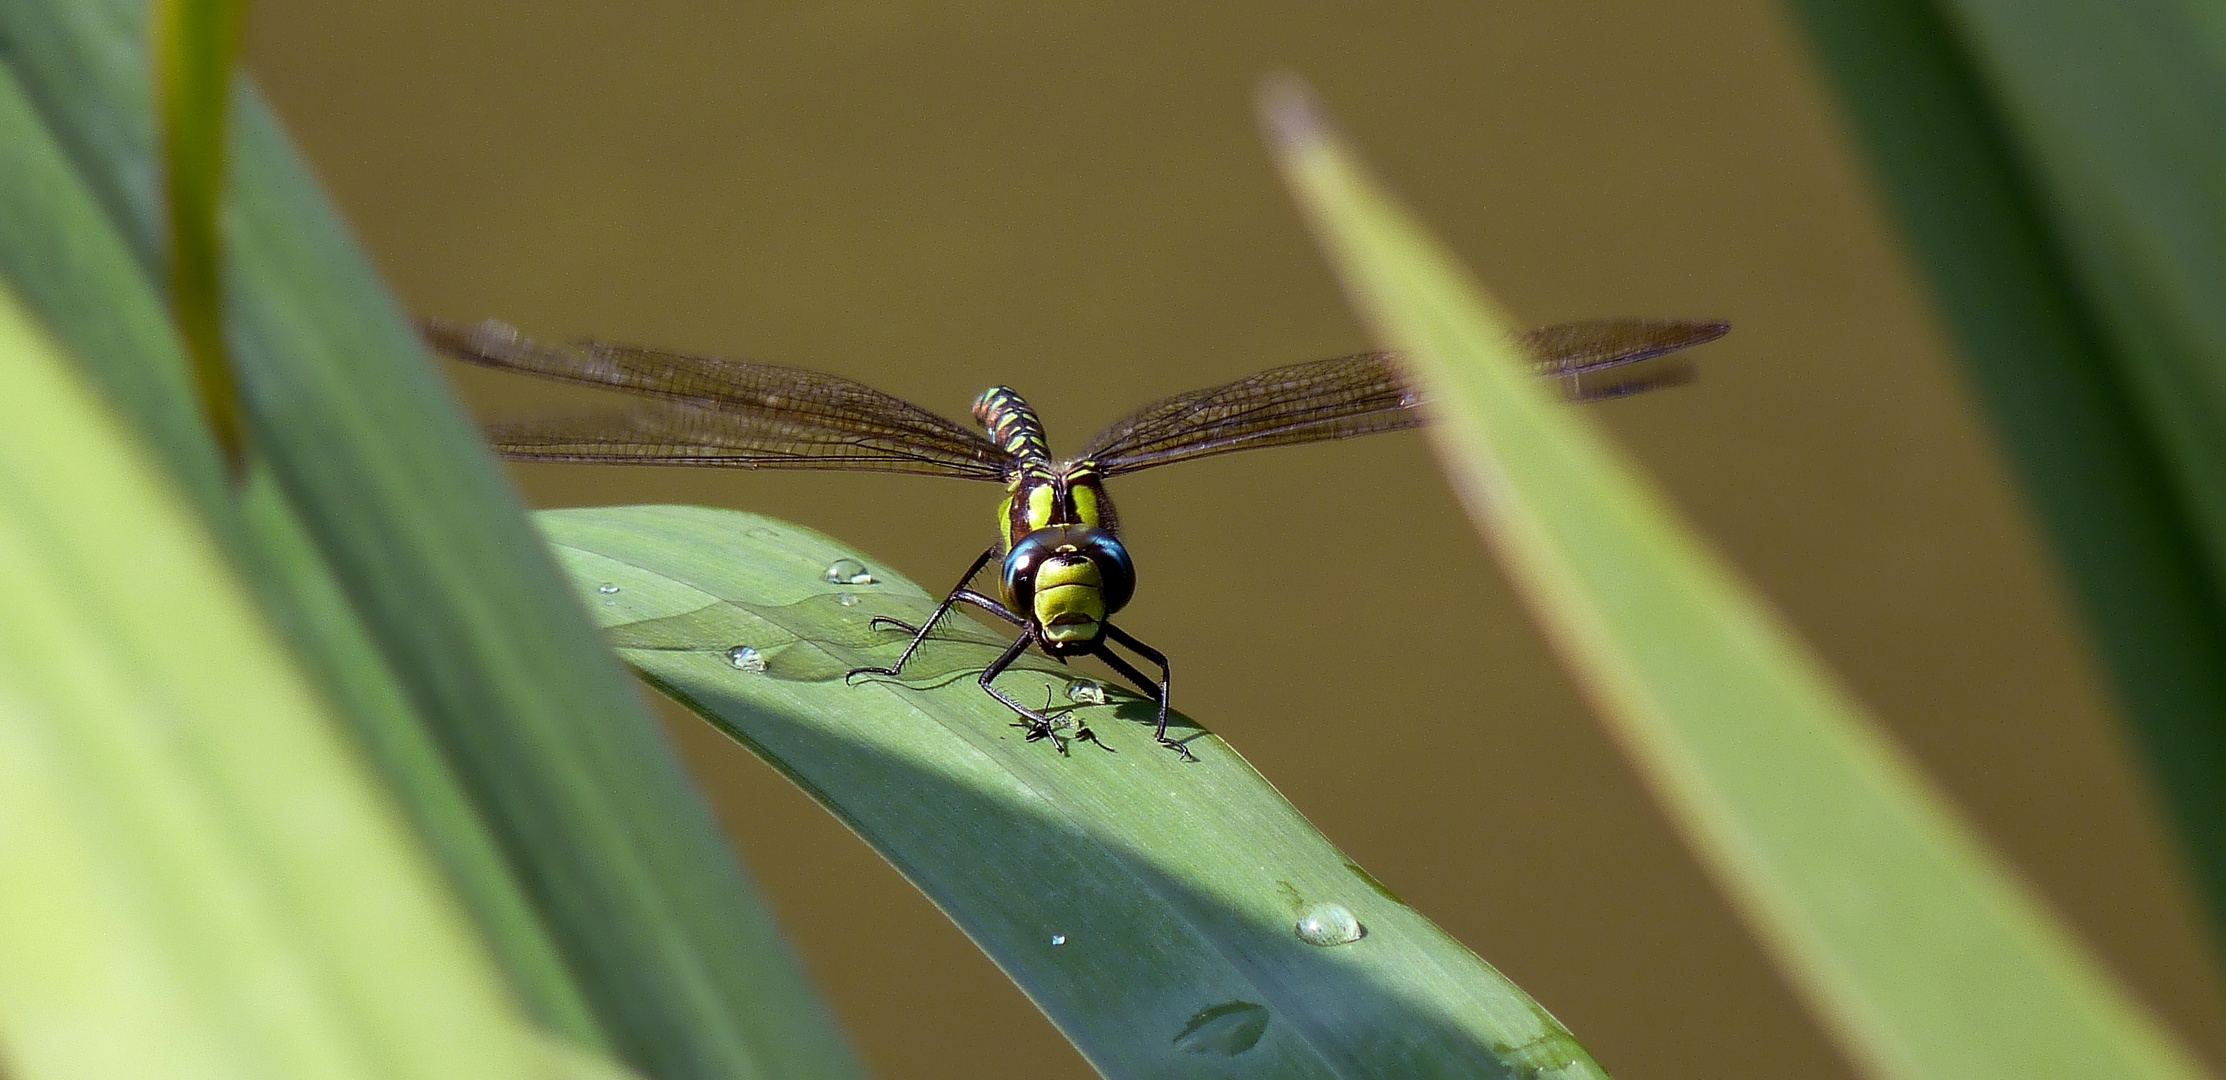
(1166, 676)
(1038, 725)
(958, 592)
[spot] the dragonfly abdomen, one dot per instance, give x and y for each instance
(1013, 426)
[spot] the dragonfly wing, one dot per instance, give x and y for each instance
(1565, 350)
(716, 411)
(1324, 399)
(1366, 393)
(678, 433)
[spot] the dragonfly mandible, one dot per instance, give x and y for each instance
(1063, 571)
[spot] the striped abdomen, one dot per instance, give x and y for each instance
(1013, 426)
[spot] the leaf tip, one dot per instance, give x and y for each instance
(1290, 114)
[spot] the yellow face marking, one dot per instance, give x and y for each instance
(1070, 602)
(1056, 572)
(1070, 612)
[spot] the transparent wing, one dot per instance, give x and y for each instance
(718, 412)
(1366, 393)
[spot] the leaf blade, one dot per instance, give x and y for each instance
(201, 879)
(2063, 399)
(620, 857)
(1130, 894)
(1914, 943)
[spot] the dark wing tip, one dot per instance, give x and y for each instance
(488, 341)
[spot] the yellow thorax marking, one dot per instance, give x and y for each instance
(1085, 499)
(1043, 503)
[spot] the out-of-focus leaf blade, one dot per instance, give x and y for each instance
(620, 858)
(196, 43)
(200, 880)
(1148, 905)
(70, 266)
(2116, 108)
(2059, 383)
(1920, 950)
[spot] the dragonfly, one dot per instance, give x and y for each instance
(1063, 571)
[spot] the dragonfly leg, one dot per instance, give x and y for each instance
(1038, 725)
(1160, 690)
(958, 592)
(1082, 731)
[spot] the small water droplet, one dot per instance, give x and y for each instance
(1058, 939)
(848, 572)
(745, 658)
(1329, 924)
(606, 588)
(1228, 1029)
(1086, 692)
(763, 533)
(847, 599)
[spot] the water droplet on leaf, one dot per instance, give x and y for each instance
(848, 572)
(745, 658)
(1058, 939)
(1227, 1029)
(847, 599)
(606, 588)
(1086, 692)
(1329, 924)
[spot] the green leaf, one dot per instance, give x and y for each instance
(2115, 110)
(196, 44)
(1919, 949)
(1148, 905)
(64, 256)
(430, 549)
(201, 880)
(2073, 394)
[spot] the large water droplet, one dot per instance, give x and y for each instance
(745, 658)
(1086, 692)
(847, 599)
(1227, 1029)
(606, 588)
(848, 572)
(1329, 924)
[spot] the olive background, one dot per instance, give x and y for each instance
(1071, 198)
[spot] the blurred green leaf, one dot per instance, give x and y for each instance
(200, 880)
(2074, 251)
(196, 43)
(429, 548)
(1921, 951)
(2115, 109)
(68, 262)
(1148, 905)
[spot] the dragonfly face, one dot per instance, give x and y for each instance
(1063, 571)
(1068, 579)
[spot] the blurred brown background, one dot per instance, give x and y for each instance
(1070, 197)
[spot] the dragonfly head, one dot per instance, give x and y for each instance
(1068, 579)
